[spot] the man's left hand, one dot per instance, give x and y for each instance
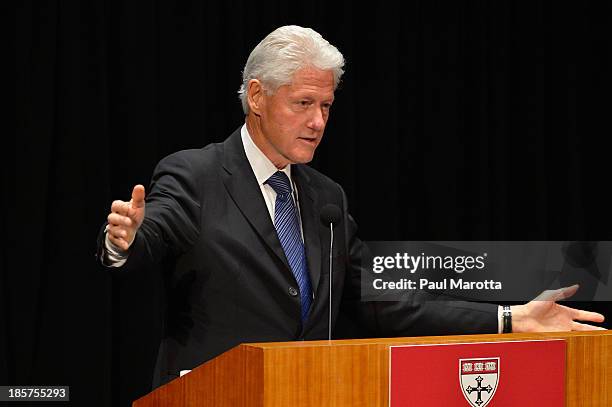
(543, 314)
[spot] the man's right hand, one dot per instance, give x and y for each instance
(125, 219)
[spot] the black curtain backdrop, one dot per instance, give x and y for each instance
(457, 120)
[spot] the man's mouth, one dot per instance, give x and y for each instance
(310, 140)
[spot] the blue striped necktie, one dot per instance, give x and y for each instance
(290, 236)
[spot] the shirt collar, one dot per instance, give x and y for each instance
(261, 165)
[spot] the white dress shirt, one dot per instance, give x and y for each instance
(263, 169)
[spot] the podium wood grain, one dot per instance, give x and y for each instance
(356, 372)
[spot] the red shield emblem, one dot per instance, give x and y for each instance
(478, 379)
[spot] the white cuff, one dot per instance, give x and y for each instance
(114, 256)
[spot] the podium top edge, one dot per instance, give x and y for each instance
(420, 340)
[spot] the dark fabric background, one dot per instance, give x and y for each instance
(455, 120)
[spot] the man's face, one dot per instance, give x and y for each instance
(293, 119)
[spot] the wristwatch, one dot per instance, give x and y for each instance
(507, 319)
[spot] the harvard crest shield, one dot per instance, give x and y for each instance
(478, 379)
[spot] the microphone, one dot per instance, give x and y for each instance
(330, 215)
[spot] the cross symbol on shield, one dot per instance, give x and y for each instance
(478, 379)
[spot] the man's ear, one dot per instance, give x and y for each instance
(255, 96)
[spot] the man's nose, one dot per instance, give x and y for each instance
(317, 120)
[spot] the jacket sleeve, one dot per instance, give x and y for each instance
(172, 214)
(418, 313)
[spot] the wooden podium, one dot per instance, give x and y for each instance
(356, 372)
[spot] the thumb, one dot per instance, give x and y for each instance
(138, 196)
(567, 292)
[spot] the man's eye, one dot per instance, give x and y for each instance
(304, 103)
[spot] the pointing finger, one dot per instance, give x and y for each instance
(582, 315)
(590, 316)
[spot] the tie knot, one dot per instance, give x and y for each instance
(279, 181)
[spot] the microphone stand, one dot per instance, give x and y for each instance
(331, 246)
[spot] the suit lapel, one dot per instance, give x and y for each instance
(242, 186)
(310, 223)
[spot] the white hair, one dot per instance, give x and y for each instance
(283, 52)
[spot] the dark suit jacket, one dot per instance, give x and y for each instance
(230, 281)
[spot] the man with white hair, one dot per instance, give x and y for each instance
(240, 223)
